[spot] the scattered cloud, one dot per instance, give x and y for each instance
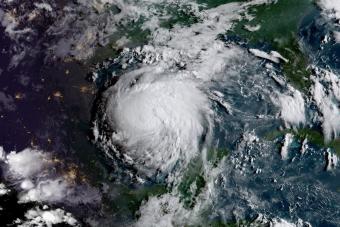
(6, 102)
(39, 177)
(46, 217)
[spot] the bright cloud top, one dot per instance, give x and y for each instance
(37, 178)
(332, 7)
(26, 163)
(159, 114)
(292, 107)
(160, 119)
(47, 217)
(327, 100)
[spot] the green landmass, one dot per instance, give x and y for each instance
(193, 180)
(279, 26)
(129, 200)
(312, 135)
(242, 223)
(192, 183)
(214, 156)
(179, 15)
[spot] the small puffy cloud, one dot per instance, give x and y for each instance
(336, 35)
(2, 154)
(3, 189)
(26, 184)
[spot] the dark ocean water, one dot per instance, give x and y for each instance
(313, 31)
(39, 118)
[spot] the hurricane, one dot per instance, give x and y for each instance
(169, 113)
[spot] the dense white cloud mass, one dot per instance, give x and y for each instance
(272, 56)
(38, 179)
(159, 118)
(336, 36)
(46, 190)
(262, 220)
(160, 114)
(26, 184)
(87, 23)
(292, 107)
(331, 160)
(3, 189)
(325, 94)
(327, 100)
(26, 163)
(331, 8)
(162, 211)
(285, 147)
(47, 217)
(330, 111)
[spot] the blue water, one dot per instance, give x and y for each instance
(298, 187)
